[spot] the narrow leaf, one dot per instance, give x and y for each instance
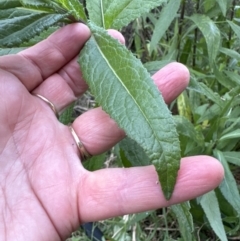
(185, 220)
(223, 5)
(210, 206)
(222, 78)
(153, 66)
(211, 34)
(208, 92)
(232, 157)
(205, 90)
(164, 21)
(233, 76)
(134, 153)
(122, 86)
(230, 52)
(22, 25)
(228, 187)
(117, 14)
(186, 128)
(183, 105)
(235, 28)
(232, 135)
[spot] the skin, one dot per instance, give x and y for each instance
(45, 193)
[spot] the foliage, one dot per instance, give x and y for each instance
(100, 67)
(205, 36)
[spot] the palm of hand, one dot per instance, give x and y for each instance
(39, 169)
(45, 192)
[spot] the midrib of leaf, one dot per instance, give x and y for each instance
(102, 13)
(125, 87)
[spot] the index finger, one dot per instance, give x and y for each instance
(33, 65)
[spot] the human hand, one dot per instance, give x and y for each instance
(45, 193)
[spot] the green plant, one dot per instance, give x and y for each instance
(111, 77)
(207, 41)
(202, 34)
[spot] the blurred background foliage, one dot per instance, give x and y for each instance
(204, 35)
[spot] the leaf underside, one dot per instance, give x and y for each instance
(124, 89)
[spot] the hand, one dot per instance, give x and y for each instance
(45, 193)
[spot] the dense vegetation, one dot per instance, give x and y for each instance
(205, 36)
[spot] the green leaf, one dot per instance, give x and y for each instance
(134, 153)
(21, 25)
(233, 76)
(95, 163)
(210, 206)
(230, 52)
(153, 66)
(211, 34)
(210, 94)
(117, 14)
(222, 78)
(173, 45)
(39, 5)
(67, 116)
(122, 158)
(228, 187)
(186, 128)
(164, 21)
(235, 28)
(232, 135)
(185, 220)
(75, 7)
(7, 51)
(96, 10)
(138, 217)
(187, 132)
(183, 106)
(43, 35)
(232, 157)
(223, 5)
(125, 90)
(9, 4)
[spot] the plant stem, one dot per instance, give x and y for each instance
(181, 26)
(231, 18)
(182, 16)
(195, 38)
